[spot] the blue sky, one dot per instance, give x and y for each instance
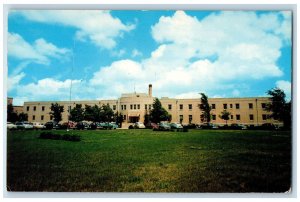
(182, 53)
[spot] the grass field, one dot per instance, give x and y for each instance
(148, 161)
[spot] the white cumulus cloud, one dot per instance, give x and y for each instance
(99, 27)
(286, 86)
(220, 52)
(39, 52)
(47, 88)
(13, 81)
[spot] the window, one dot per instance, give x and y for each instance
(263, 105)
(145, 106)
(251, 117)
(237, 106)
(138, 106)
(51, 117)
(33, 117)
(231, 116)
(190, 106)
(213, 106)
(169, 107)
(27, 108)
(225, 106)
(264, 117)
(230, 106)
(124, 107)
(238, 117)
(124, 117)
(114, 107)
(42, 117)
(213, 117)
(34, 108)
(181, 107)
(190, 118)
(181, 118)
(130, 106)
(149, 107)
(134, 106)
(250, 106)
(43, 108)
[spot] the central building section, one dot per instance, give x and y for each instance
(134, 106)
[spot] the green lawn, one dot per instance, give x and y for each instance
(148, 161)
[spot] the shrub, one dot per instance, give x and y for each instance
(66, 137)
(75, 138)
(56, 137)
(130, 127)
(46, 135)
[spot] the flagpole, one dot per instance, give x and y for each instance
(70, 97)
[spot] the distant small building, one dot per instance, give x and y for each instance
(250, 111)
(10, 100)
(17, 109)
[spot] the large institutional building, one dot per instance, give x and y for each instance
(134, 106)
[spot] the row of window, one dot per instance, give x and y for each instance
(237, 106)
(238, 117)
(34, 108)
(42, 117)
(190, 106)
(137, 106)
(43, 108)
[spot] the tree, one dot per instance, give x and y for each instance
(106, 114)
(281, 110)
(23, 117)
(205, 108)
(96, 113)
(225, 115)
(12, 116)
(56, 111)
(119, 119)
(158, 113)
(89, 113)
(77, 113)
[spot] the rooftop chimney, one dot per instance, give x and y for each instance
(150, 90)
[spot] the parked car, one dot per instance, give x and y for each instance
(164, 126)
(52, 125)
(139, 125)
(235, 126)
(11, 126)
(208, 126)
(176, 126)
(20, 125)
(24, 125)
(114, 125)
(82, 125)
(28, 125)
(151, 125)
(37, 125)
(268, 126)
(107, 125)
(93, 126)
